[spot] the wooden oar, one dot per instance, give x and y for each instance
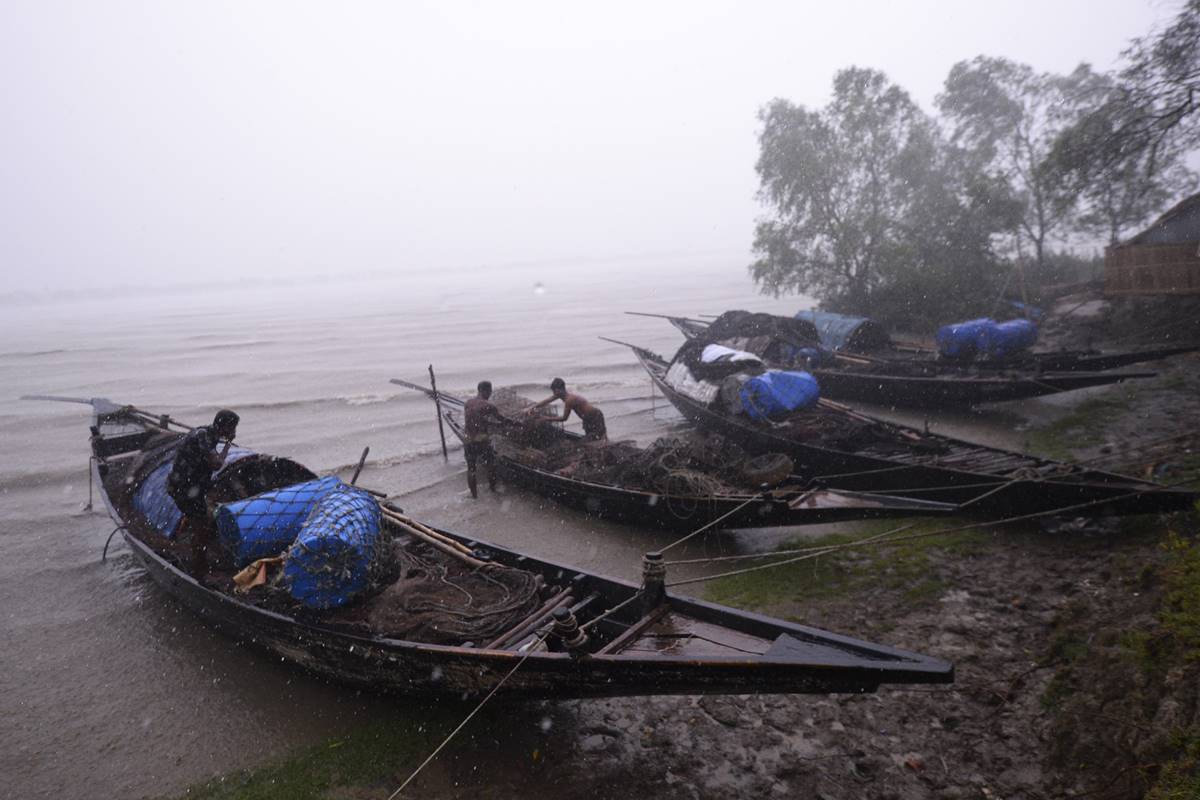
(667, 316)
(445, 398)
(57, 399)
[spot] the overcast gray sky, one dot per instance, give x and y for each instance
(168, 142)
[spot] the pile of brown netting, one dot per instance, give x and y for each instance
(430, 598)
(701, 465)
(696, 465)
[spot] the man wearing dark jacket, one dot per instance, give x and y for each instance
(191, 477)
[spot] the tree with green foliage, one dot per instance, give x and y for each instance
(1121, 193)
(1125, 154)
(1008, 117)
(872, 212)
(1154, 109)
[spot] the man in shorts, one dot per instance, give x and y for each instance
(478, 412)
(594, 429)
(191, 478)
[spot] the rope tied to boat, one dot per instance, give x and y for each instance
(104, 553)
(888, 538)
(529, 650)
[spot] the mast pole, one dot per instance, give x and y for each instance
(437, 402)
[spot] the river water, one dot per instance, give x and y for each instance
(107, 688)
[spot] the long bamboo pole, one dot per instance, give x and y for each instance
(428, 532)
(470, 561)
(437, 402)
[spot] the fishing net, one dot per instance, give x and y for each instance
(443, 601)
(678, 466)
(333, 558)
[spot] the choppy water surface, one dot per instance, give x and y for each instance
(107, 688)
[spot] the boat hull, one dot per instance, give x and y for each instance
(1086, 492)
(802, 659)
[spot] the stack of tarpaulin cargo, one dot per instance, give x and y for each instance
(715, 374)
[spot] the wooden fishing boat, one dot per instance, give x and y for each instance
(862, 337)
(640, 640)
(848, 450)
(921, 380)
(791, 503)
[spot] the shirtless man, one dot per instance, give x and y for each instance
(592, 418)
(477, 413)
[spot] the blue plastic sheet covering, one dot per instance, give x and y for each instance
(962, 339)
(152, 501)
(776, 392)
(329, 563)
(1012, 337)
(844, 332)
(985, 338)
(265, 525)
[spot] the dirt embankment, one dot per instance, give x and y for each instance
(1076, 648)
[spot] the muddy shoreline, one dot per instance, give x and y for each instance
(1057, 692)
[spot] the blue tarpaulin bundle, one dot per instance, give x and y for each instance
(329, 563)
(153, 502)
(266, 524)
(1012, 337)
(844, 332)
(776, 392)
(985, 338)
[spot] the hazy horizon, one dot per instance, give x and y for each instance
(173, 145)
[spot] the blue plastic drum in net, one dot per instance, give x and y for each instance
(266, 524)
(329, 563)
(777, 392)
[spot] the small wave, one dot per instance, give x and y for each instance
(33, 353)
(47, 479)
(236, 345)
(406, 457)
(347, 400)
(367, 399)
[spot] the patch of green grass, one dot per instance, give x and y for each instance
(1060, 687)
(905, 567)
(1083, 427)
(1176, 637)
(1180, 613)
(1179, 778)
(1067, 647)
(370, 755)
